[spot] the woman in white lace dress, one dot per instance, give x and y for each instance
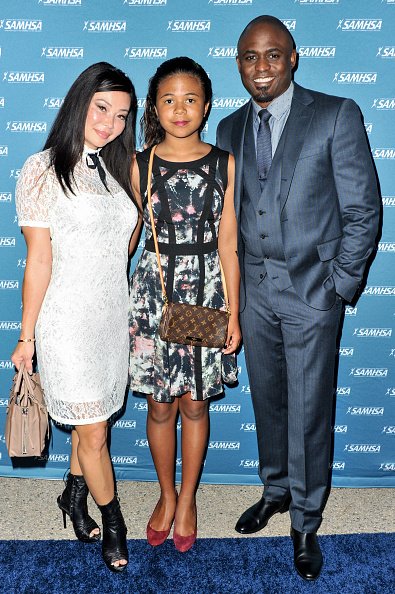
(77, 212)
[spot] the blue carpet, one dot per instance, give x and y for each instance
(354, 563)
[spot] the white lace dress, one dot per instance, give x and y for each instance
(82, 329)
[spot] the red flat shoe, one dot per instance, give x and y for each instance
(184, 543)
(157, 537)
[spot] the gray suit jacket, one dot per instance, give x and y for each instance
(329, 200)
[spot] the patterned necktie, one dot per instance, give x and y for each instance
(264, 145)
(97, 165)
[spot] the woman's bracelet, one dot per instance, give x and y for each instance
(27, 340)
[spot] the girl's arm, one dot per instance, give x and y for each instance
(136, 191)
(35, 284)
(227, 247)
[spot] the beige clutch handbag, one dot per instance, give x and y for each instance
(26, 427)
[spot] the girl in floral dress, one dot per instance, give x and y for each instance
(192, 200)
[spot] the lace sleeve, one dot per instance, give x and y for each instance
(36, 190)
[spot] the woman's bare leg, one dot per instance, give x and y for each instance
(95, 463)
(161, 433)
(194, 427)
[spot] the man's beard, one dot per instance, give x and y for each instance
(262, 96)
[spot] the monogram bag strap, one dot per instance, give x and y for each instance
(151, 214)
(155, 238)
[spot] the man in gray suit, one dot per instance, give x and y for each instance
(307, 203)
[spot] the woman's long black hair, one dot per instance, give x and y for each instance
(66, 138)
(151, 130)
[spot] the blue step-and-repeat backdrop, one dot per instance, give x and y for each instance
(346, 47)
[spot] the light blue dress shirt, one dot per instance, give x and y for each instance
(279, 108)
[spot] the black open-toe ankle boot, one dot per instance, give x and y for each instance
(73, 503)
(114, 546)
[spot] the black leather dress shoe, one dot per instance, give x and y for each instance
(307, 554)
(256, 517)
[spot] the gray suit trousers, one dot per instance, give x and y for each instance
(290, 351)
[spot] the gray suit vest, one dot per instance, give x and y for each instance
(260, 215)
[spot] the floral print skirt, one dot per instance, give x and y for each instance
(168, 370)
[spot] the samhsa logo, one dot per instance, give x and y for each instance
(105, 26)
(124, 424)
(141, 105)
(64, 53)
(355, 78)
(5, 197)
(383, 103)
(379, 291)
(222, 51)
(145, 2)
(363, 448)
(7, 241)
(2, 102)
(386, 52)
(189, 26)
(389, 430)
(350, 311)
(390, 392)
(373, 332)
(60, 2)
(124, 459)
(9, 326)
(53, 102)
(368, 127)
(317, 51)
(340, 429)
(141, 443)
(343, 391)
(383, 153)
(141, 406)
(360, 24)
(366, 411)
(230, 2)
(224, 445)
(9, 284)
(386, 246)
(21, 25)
(249, 463)
(15, 173)
(145, 53)
(225, 408)
(388, 201)
(55, 458)
(24, 77)
(31, 127)
(5, 365)
(338, 465)
(318, 1)
(369, 372)
(387, 466)
(248, 427)
(3, 150)
(346, 351)
(290, 24)
(229, 102)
